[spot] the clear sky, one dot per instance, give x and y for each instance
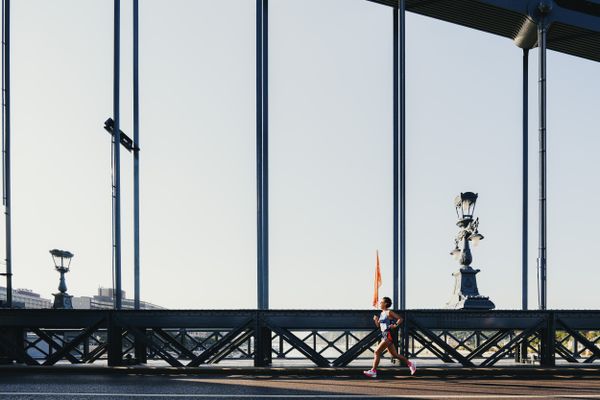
(330, 154)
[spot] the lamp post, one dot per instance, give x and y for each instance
(466, 295)
(62, 263)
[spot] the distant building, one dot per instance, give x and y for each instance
(104, 300)
(25, 298)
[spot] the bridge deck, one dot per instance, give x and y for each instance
(83, 387)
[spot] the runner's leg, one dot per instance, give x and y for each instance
(382, 346)
(392, 349)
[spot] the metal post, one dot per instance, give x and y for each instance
(399, 94)
(140, 347)
(542, 31)
(521, 353)
(548, 342)
(403, 155)
(262, 356)
(259, 151)
(265, 154)
(262, 342)
(114, 340)
(116, 158)
(136, 160)
(6, 144)
(395, 159)
(399, 159)
(262, 154)
(525, 175)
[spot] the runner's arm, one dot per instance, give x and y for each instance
(398, 319)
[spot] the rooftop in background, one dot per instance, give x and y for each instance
(27, 298)
(574, 29)
(105, 300)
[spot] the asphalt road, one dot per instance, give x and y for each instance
(120, 387)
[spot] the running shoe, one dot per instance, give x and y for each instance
(412, 365)
(370, 373)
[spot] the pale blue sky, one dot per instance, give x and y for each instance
(330, 154)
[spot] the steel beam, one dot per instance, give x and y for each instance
(428, 333)
(360, 347)
(53, 345)
(265, 154)
(396, 140)
(232, 346)
(262, 146)
(222, 343)
(262, 343)
(6, 146)
(488, 344)
(114, 339)
(512, 343)
(299, 345)
(171, 341)
(116, 161)
(136, 160)
(95, 354)
(11, 345)
(141, 336)
(581, 320)
(424, 327)
(259, 154)
(578, 337)
(525, 180)
(292, 319)
(399, 156)
(542, 262)
(427, 344)
(70, 346)
(402, 60)
(548, 342)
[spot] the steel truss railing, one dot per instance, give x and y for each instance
(332, 338)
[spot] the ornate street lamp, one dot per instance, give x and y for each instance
(465, 206)
(466, 295)
(62, 263)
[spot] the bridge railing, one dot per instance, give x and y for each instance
(324, 338)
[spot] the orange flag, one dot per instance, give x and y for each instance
(377, 282)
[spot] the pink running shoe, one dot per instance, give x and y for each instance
(412, 365)
(370, 373)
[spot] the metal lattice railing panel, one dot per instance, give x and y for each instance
(323, 338)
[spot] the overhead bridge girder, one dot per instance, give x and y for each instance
(574, 24)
